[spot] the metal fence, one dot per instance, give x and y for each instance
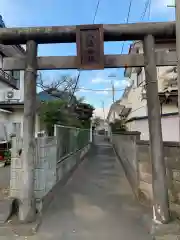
(70, 140)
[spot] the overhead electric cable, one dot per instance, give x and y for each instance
(79, 72)
(127, 20)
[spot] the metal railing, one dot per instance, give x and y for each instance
(70, 140)
(8, 78)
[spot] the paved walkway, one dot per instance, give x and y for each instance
(96, 203)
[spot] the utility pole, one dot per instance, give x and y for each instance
(113, 96)
(103, 110)
(113, 91)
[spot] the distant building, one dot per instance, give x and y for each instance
(103, 126)
(12, 92)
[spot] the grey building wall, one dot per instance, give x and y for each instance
(135, 157)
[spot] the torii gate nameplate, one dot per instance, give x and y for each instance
(90, 47)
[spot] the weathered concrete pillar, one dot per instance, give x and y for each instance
(160, 187)
(27, 208)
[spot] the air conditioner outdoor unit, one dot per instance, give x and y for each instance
(10, 94)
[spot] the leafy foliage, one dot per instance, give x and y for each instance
(96, 121)
(119, 125)
(51, 112)
(83, 111)
(57, 112)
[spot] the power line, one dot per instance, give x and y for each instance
(147, 8)
(79, 72)
(75, 86)
(99, 90)
(97, 7)
(127, 20)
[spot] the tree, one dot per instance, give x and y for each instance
(80, 99)
(68, 110)
(51, 113)
(119, 125)
(63, 87)
(58, 112)
(84, 112)
(96, 121)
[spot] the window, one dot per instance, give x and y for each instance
(175, 69)
(16, 75)
(172, 50)
(17, 128)
(139, 76)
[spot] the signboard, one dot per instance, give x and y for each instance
(90, 47)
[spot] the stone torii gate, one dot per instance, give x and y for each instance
(90, 55)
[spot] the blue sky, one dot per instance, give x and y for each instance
(25, 13)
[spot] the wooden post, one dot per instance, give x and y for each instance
(67, 34)
(159, 181)
(27, 208)
(177, 5)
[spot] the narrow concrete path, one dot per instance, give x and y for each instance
(96, 203)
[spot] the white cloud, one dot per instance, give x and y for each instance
(102, 91)
(167, 2)
(122, 83)
(117, 82)
(161, 5)
(105, 92)
(83, 90)
(99, 80)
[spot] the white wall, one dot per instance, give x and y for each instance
(114, 115)
(4, 122)
(17, 117)
(170, 128)
(103, 125)
(138, 106)
(4, 86)
(22, 86)
(18, 94)
(169, 108)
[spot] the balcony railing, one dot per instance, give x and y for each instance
(170, 84)
(4, 76)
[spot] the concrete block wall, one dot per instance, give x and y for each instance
(16, 169)
(145, 169)
(125, 147)
(140, 157)
(172, 160)
(49, 170)
(68, 163)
